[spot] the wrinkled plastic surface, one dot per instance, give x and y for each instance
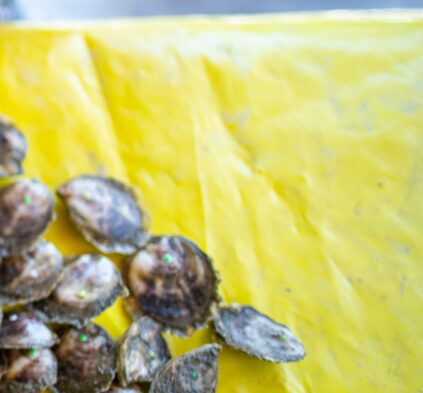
(289, 147)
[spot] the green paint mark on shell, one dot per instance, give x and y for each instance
(27, 200)
(167, 258)
(83, 338)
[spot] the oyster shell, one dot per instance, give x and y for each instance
(174, 283)
(245, 329)
(194, 372)
(106, 212)
(87, 360)
(90, 283)
(142, 352)
(26, 209)
(13, 149)
(24, 330)
(27, 371)
(118, 389)
(31, 275)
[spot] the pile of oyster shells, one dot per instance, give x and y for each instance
(47, 302)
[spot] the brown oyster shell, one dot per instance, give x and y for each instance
(142, 352)
(90, 284)
(31, 275)
(87, 360)
(246, 329)
(27, 371)
(25, 330)
(174, 283)
(194, 372)
(106, 212)
(26, 209)
(13, 148)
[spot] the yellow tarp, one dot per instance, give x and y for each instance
(289, 147)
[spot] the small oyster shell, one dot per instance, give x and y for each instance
(106, 212)
(90, 283)
(30, 276)
(174, 283)
(13, 149)
(194, 372)
(142, 352)
(87, 360)
(27, 371)
(245, 329)
(118, 389)
(26, 209)
(24, 330)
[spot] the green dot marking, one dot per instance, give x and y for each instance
(83, 338)
(194, 374)
(153, 355)
(27, 200)
(282, 337)
(87, 196)
(82, 294)
(32, 352)
(167, 258)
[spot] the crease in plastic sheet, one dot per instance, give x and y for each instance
(288, 147)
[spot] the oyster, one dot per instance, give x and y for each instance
(174, 283)
(142, 352)
(13, 149)
(245, 329)
(106, 212)
(31, 275)
(118, 389)
(27, 371)
(87, 360)
(194, 372)
(90, 283)
(26, 209)
(24, 330)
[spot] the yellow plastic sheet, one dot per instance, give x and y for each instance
(290, 148)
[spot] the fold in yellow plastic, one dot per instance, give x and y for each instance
(289, 147)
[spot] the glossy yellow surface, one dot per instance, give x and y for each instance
(289, 147)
